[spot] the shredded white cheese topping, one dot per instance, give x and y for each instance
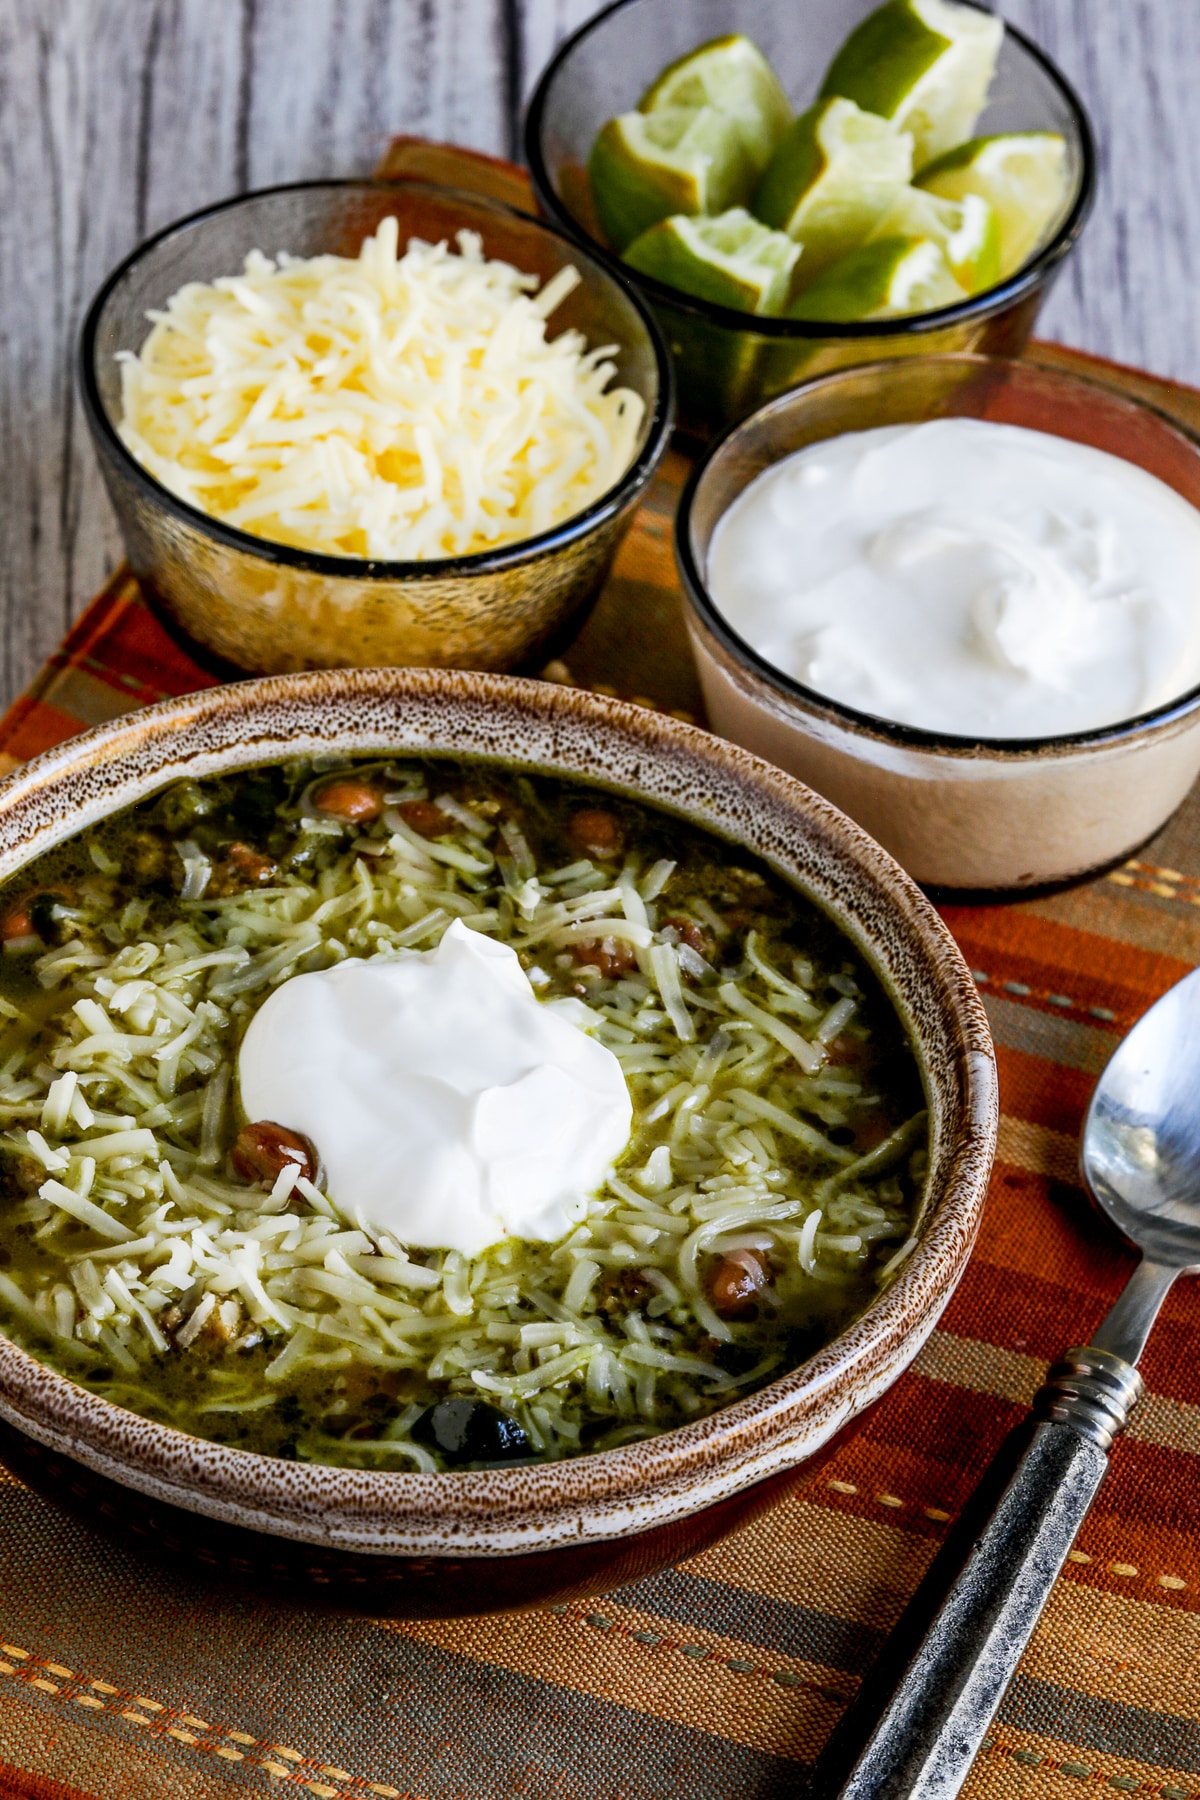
(391, 407)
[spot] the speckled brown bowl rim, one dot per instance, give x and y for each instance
(684, 770)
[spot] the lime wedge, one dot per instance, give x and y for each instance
(732, 74)
(733, 259)
(923, 64)
(645, 166)
(881, 280)
(1022, 174)
(836, 174)
(968, 231)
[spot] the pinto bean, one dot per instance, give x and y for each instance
(426, 819)
(702, 942)
(34, 917)
(596, 833)
(623, 1290)
(263, 1149)
(357, 802)
(240, 867)
(613, 956)
(735, 1282)
(689, 933)
(254, 868)
(17, 925)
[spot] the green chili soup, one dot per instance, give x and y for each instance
(190, 1264)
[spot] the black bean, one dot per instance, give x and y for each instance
(467, 1431)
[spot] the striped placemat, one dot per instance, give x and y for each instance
(121, 1679)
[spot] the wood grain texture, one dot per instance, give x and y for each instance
(117, 117)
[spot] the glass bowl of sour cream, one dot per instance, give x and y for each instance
(961, 598)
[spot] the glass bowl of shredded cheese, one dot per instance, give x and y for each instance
(367, 423)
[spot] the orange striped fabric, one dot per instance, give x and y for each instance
(122, 1679)
(721, 1677)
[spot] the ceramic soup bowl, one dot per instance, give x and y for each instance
(501, 1538)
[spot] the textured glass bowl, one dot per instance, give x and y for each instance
(729, 362)
(268, 607)
(964, 813)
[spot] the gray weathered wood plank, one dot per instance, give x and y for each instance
(115, 118)
(1130, 291)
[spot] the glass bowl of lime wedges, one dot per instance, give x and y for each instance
(801, 185)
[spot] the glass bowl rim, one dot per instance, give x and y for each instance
(975, 306)
(892, 731)
(659, 425)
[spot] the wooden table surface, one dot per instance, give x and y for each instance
(117, 116)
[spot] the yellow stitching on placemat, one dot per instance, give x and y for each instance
(157, 1719)
(95, 665)
(1017, 990)
(581, 1613)
(1078, 1771)
(1162, 874)
(1167, 884)
(893, 1501)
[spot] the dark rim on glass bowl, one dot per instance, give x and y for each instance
(657, 428)
(992, 299)
(870, 724)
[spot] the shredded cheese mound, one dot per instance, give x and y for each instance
(389, 406)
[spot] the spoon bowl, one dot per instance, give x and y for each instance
(1141, 1141)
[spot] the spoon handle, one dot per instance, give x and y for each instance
(925, 1707)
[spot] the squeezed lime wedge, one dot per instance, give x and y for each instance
(836, 174)
(732, 259)
(1023, 175)
(646, 166)
(731, 74)
(923, 64)
(881, 280)
(968, 231)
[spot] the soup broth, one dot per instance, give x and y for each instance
(166, 1252)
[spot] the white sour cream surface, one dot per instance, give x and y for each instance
(449, 1106)
(967, 577)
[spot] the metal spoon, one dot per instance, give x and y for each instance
(924, 1709)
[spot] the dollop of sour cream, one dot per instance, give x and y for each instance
(449, 1106)
(967, 577)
